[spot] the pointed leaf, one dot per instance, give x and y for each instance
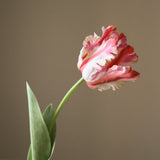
(47, 116)
(40, 139)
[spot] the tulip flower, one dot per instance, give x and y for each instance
(105, 62)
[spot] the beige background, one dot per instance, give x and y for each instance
(40, 43)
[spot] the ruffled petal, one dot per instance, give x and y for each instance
(114, 76)
(127, 56)
(94, 67)
(107, 33)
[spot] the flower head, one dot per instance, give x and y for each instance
(105, 62)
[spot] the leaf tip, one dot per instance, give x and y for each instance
(27, 85)
(29, 90)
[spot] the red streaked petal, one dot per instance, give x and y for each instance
(106, 33)
(106, 51)
(116, 73)
(127, 56)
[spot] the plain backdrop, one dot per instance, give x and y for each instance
(40, 43)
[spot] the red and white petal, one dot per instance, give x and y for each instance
(96, 66)
(94, 70)
(111, 85)
(106, 33)
(115, 75)
(127, 56)
(122, 42)
(106, 51)
(90, 43)
(81, 57)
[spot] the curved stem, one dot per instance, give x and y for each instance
(63, 101)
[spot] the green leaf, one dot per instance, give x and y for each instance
(40, 139)
(47, 116)
(29, 156)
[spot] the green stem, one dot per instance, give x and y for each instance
(63, 101)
